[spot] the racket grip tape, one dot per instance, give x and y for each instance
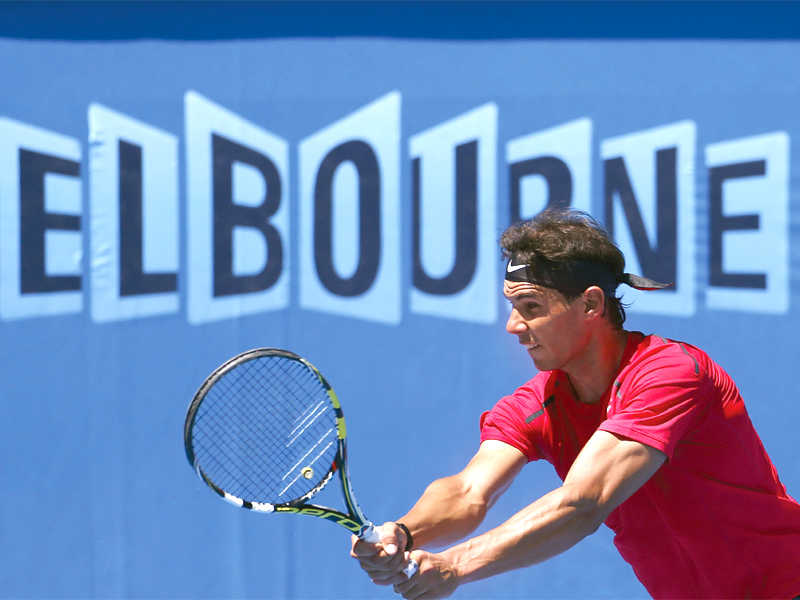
(374, 535)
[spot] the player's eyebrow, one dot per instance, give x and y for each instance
(535, 295)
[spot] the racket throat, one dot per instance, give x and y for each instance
(323, 512)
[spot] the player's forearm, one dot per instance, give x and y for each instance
(546, 528)
(448, 511)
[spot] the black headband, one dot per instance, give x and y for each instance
(572, 278)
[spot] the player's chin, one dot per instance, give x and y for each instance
(545, 364)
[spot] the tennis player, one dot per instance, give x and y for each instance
(648, 435)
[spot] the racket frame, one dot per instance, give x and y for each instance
(354, 520)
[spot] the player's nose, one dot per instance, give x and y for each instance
(515, 324)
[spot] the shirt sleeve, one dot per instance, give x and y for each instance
(506, 423)
(660, 403)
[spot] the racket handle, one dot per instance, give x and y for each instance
(411, 568)
(373, 535)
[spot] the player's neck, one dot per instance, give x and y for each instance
(592, 377)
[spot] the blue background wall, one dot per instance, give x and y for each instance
(99, 501)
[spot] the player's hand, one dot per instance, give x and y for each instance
(383, 561)
(437, 578)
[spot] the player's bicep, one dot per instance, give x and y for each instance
(492, 470)
(610, 469)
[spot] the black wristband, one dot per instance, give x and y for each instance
(409, 537)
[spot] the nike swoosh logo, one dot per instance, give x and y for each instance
(511, 268)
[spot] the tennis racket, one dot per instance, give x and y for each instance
(266, 432)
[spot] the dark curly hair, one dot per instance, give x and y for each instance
(557, 239)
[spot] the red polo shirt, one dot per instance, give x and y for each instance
(714, 521)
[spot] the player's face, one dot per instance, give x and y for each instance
(551, 328)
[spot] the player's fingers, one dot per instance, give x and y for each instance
(390, 564)
(420, 592)
(375, 571)
(391, 570)
(409, 588)
(411, 593)
(381, 562)
(392, 578)
(360, 548)
(389, 538)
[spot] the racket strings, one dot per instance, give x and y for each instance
(266, 431)
(243, 446)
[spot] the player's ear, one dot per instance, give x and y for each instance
(594, 301)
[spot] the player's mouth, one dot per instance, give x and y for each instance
(531, 346)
